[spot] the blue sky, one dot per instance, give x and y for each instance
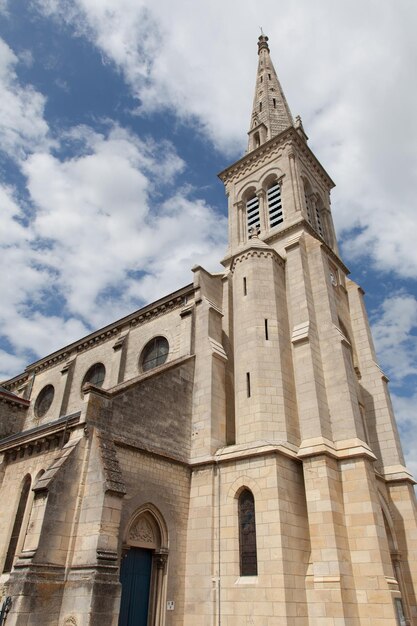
(115, 118)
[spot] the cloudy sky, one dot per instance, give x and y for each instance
(116, 115)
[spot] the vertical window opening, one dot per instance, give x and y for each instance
(318, 220)
(247, 534)
(248, 384)
(252, 213)
(269, 76)
(274, 205)
(17, 526)
(266, 330)
(274, 103)
(262, 79)
(245, 290)
(308, 207)
(260, 106)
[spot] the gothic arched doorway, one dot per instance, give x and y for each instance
(142, 570)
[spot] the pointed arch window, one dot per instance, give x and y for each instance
(17, 526)
(252, 213)
(247, 534)
(273, 195)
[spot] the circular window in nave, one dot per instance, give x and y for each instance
(154, 353)
(44, 400)
(95, 375)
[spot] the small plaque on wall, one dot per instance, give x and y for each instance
(170, 605)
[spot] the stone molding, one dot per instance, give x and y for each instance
(43, 432)
(168, 303)
(269, 150)
(121, 387)
(340, 450)
(114, 482)
(397, 473)
(10, 398)
(300, 333)
(44, 482)
(259, 253)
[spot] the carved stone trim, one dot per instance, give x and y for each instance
(259, 253)
(142, 532)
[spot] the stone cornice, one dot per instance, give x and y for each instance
(300, 226)
(340, 450)
(256, 252)
(141, 316)
(121, 387)
(251, 250)
(11, 398)
(287, 137)
(44, 431)
(240, 452)
(396, 474)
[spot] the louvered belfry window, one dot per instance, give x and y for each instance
(308, 207)
(247, 534)
(318, 221)
(252, 213)
(275, 205)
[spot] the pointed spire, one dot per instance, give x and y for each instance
(271, 113)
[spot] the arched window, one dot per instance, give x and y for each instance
(95, 375)
(44, 400)
(17, 526)
(252, 213)
(247, 534)
(273, 195)
(154, 353)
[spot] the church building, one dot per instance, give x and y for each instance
(224, 456)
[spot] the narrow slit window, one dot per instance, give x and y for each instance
(248, 384)
(252, 213)
(247, 534)
(274, 102)
(260, 106)
(275, 205)
(245, 288)
(266, 330)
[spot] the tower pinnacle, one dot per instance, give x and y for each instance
(271, 113)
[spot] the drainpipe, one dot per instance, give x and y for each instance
(219, 613)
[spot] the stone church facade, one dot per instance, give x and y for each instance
(227, 455)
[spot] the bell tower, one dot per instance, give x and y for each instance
(306, 381)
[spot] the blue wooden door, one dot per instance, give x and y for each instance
(135, 576)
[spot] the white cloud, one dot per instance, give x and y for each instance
(392, 328)
(405, 412)
(22, 125)
(347, 67)
(99, 218)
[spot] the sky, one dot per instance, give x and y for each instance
(116, 116)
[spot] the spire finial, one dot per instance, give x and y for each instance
(262, 41)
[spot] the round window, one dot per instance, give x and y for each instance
(154, 353)
(44, 401)
(95, 375)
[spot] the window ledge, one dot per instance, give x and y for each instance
(247, 580)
